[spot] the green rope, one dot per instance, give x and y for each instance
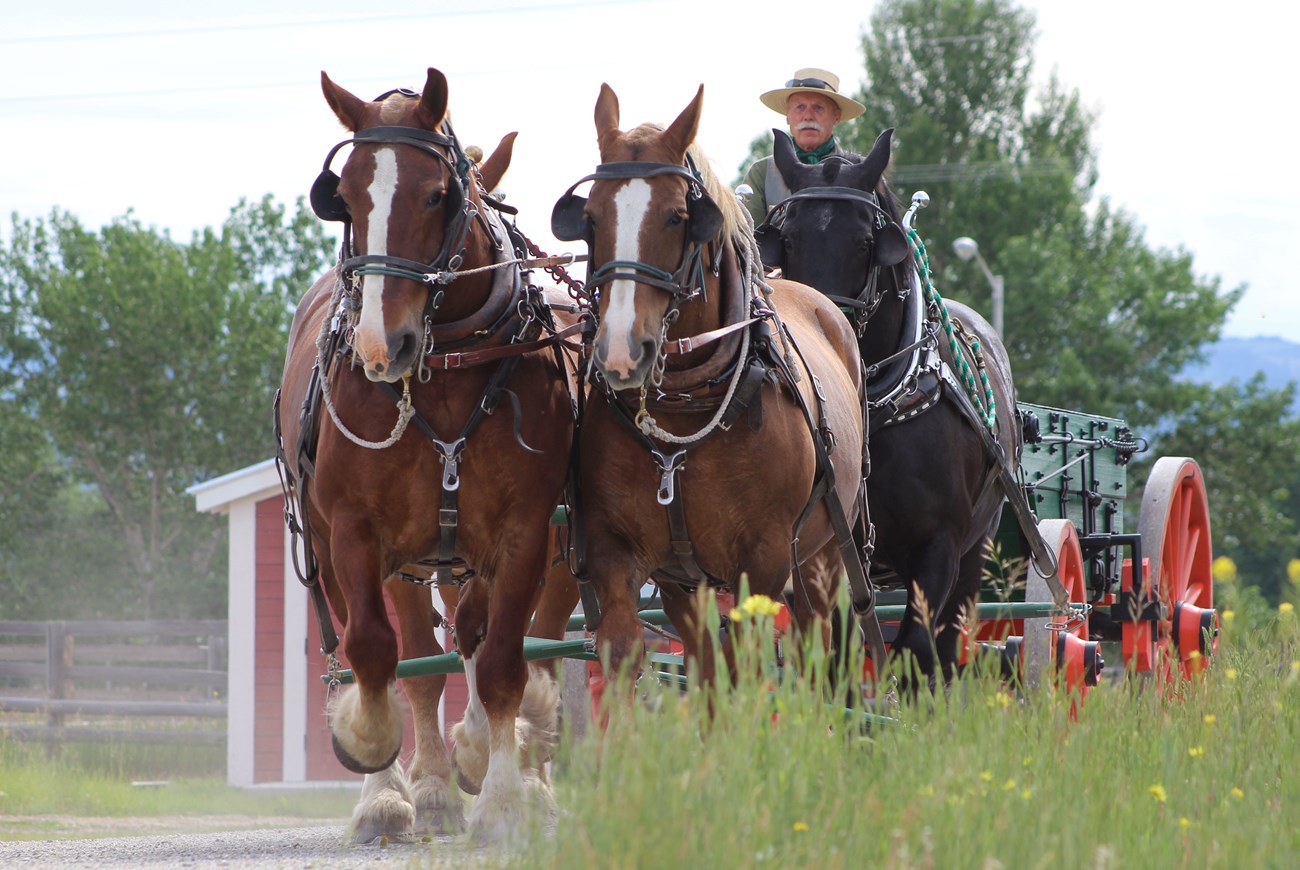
(981, 394)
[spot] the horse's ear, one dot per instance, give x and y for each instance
(606, 112)
(891, 246)
(494, 168)
(347, 106)
(770, 247)
(681, 132)
(783, 155)
(433, 102)
(878, 160)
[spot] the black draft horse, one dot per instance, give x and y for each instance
(944, 445)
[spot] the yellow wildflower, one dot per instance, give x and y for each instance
(800, 827)
(760, 605)
(1027, 794)
(1229, 615)
(1009, 785)
(926, 791)
(1184, 822)
(1224, 570)
(1196, 751)
(735, 615)
(1158, 792)
(1293, 572)
(1230, 673)
(986, 775)
(1286, 608)
(1238, 793)
(1210, 719)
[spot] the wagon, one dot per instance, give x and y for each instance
(1148, 594)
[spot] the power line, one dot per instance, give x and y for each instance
(932, 172)
(327, 22)
(259, 86)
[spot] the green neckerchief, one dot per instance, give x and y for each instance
(817, 154)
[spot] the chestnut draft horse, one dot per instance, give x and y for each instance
(427, 320)
(944, 447)
(706, 441)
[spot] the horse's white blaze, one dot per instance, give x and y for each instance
(630, 207)
(372, 338)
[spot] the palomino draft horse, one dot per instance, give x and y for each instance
(706, 441)
(943, 453)
(427, 321)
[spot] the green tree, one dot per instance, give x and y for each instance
(1246, 440)
(1094, 318)
(143, 365)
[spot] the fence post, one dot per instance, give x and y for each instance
(58, 656)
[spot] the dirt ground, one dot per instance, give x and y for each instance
(73, 827)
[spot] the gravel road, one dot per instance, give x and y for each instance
(302, 847)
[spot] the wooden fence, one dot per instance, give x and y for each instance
(160, 681)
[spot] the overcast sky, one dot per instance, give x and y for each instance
(178, 110)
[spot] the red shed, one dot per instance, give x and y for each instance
(276, 731)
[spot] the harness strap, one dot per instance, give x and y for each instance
(862, 592)
(577, 550)
(468, 358)
(694, 342)
(294, 488)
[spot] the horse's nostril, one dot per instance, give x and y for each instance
(402, 349)
(647, 351)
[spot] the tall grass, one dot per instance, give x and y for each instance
(973, 777)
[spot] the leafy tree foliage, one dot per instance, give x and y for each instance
(1095, 318)
(1246, 440)
(137, 366)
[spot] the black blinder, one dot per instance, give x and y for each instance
(569, 219)
(770, 246)
(454, 199)
(705, 218)
(325, 199)
(891, 246)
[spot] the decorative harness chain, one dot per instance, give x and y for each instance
(980, 394)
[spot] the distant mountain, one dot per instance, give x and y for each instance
(1240, 358)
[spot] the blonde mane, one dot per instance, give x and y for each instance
(735, 220)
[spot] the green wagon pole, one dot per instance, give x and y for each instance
(894, 612)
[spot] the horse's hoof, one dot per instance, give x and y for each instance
(356, 766)
(443, 820)
(467, 785)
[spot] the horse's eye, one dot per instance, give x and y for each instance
(675, 219)
(435, 199)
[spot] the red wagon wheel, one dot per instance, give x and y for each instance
(1175, 526)
(1059, 645)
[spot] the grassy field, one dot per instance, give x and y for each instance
(977, 777)
(980, 778)
(119, 786)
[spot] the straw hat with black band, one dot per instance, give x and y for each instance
(814, 81)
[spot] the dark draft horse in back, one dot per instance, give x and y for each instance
(426, 421)
(699, 440)
(939, 472)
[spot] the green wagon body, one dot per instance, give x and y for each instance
(1076, 471)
